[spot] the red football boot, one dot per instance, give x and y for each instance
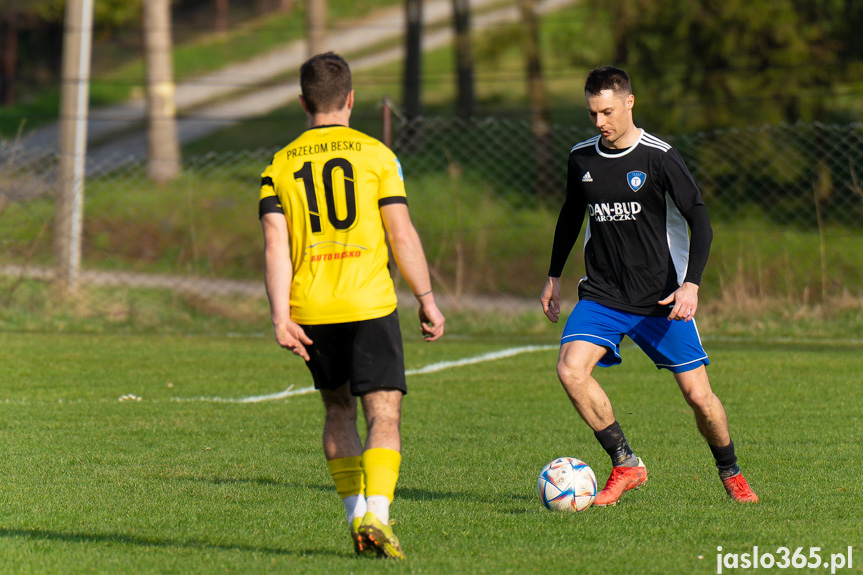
(739, 490)
(621, 479)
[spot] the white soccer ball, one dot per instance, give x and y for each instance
(566, 484)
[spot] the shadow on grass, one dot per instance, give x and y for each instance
(408, 493)
(231, 480)
(44, 535)
(426, 495)
(266, 481)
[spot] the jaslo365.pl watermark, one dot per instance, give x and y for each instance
(784, 558)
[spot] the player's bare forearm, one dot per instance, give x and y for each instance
(685, 302)
(409, 256)
(411, 260)
(278, 267)
(550, 299)
(278, 277)
(414, 268)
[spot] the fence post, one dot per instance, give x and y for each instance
(69, 217)
(387, 121)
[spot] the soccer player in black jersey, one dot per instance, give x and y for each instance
(646, 245)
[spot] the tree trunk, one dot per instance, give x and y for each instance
(222, 8)
(546, 180)
(267, 6)
(162, 143)
(409, 138)
(9, 61)
(624, 15)
(316, 27)
(466, 100)
(413, 58)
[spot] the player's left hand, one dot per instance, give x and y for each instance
(431, 321)
(685, 300)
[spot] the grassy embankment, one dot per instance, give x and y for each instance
(118, 67)
(205, 225)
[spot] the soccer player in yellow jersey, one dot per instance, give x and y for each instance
(328, 203)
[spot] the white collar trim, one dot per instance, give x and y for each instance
(620, 155)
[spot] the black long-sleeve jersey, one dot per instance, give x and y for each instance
(639, 203)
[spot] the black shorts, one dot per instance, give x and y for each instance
(367, 354)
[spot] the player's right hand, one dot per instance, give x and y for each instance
(550, 299)
(292, 337)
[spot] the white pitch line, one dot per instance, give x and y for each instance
(495, 355)
(431, 368)
(253, 399)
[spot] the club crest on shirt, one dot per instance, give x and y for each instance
(635, 180)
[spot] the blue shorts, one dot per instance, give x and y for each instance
(673, 345)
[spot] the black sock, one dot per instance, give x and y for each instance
(614, 443)
(726, 460)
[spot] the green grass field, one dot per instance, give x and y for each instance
(180, 482)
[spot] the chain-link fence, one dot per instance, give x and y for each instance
(786, 203)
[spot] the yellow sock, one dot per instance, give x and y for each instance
(347, 473)
(381, 468)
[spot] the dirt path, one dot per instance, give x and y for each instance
(116, 133)
(215, 287)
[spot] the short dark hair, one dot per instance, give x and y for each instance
(608, 78)
(325, 81)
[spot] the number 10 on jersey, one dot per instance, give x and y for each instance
(333, 169)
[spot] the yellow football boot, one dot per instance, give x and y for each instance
(381, 536)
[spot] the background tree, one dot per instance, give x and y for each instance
(412, 76)
(163, 148)
(721, 63)
(465, 98)
(546, 178)
(15, 15)
(316, 27)
(265, 6)
(222, 10)
(9, 59)
(413, 58)
(31, 38)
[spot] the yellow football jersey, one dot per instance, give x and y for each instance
(330, 183)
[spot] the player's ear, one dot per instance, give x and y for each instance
(630, 102)
(303, 104)
(350, 101)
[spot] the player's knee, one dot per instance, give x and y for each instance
(572, 375)
(700, 399)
